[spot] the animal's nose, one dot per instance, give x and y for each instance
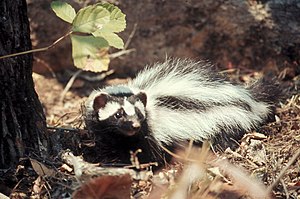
(136, 125)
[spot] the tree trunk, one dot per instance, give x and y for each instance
(22, 126)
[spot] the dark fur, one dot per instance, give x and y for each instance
(269, 91)
(114, 148)
(177, 103)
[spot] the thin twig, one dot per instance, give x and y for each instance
(68, 86)
(178, 156)
(189, 149)
(120, 53)
(231, 70)
(130, 36)
(39, 49)
(63, 128)
(281, 174)
(61, 118)
(125, 50)
(287, 195)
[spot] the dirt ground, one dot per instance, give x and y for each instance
(249, 34)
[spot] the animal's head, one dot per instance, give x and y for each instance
(123, 111)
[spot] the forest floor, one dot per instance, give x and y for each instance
(266, 165)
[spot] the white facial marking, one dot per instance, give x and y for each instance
(140, 106)
(109, 109)
(128, 107)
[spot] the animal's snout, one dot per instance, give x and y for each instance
(136, 125)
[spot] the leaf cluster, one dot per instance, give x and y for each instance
(93, 30)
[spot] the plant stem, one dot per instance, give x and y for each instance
(282, 172)
(39, 49)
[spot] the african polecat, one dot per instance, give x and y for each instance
(170, 103)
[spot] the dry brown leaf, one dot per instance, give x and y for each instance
(41, 169)
(38, 186)
(117, 187)
(257, 152)
(242, 182)
(66, 167)
(254, 135)
(215, 171)
(294, 185)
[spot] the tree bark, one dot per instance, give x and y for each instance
(23, 124)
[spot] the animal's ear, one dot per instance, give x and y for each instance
(100, 101)
(143, 97)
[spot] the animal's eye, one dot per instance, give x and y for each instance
(118, 115)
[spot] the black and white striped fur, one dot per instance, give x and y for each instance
(170, 103)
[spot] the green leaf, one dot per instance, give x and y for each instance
(90, 53)
(117, 21)
(63, 10)
(112, 39)
(90, 19)
(115, 24)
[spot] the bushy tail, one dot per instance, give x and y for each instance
(189, 100)
(266, 90)
(269, 91)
